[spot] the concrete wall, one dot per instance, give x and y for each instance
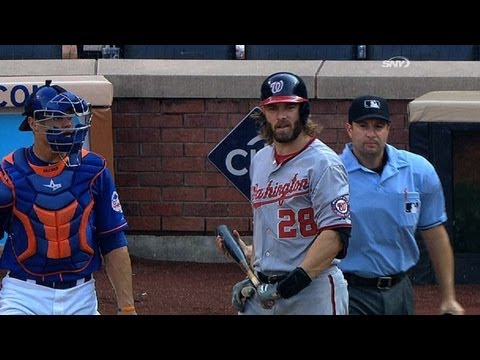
(241, 79)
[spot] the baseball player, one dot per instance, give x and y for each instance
(61, 211)
(301, 217)
(393, 192)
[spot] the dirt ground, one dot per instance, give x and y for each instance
(184, 288)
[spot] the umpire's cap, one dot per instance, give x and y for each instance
(368, 107)
(37, 101)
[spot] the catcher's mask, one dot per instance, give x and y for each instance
(38, 101)
(65, 119)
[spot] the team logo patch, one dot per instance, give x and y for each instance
(276, 86)
(53, 186)
(341, 207)
(116, 206)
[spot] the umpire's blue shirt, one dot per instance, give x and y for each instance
(386, 210)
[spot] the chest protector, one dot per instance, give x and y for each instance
(52, 227)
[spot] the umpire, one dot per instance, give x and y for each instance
(392, 193)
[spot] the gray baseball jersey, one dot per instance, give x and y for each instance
(294, 201)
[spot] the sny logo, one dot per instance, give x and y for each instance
(396, 62)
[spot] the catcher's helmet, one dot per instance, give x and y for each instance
(37, 101)
(67, 105)
(64, 117)
(285, 87)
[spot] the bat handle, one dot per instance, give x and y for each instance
(253, 278)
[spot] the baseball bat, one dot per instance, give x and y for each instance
(234, 249)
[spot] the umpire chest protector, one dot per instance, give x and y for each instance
(52, 228)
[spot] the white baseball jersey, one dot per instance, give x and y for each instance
(293, 202)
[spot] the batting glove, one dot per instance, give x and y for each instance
(295, 281)
(241, 291)
(267, 294)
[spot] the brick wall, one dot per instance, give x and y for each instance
(165, 181)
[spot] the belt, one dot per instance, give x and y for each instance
(381, 282)
(270, 279)
(54, 284)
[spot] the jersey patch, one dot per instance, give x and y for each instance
(411, 207)
(116, 206)
(341, 207)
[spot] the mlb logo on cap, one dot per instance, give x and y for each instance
(372, 104)
(368, 107)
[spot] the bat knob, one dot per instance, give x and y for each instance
(268, 304)
(248, 291)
